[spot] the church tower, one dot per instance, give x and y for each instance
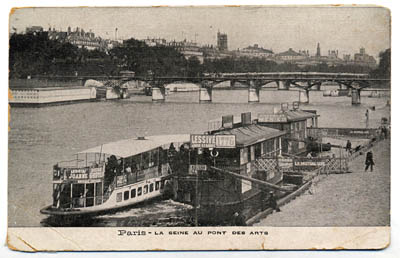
(318, 51)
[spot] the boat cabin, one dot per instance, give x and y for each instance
(237, 147)
(90, 179)
(293, 121)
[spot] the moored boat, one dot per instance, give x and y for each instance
(231, 169)
(113, 175)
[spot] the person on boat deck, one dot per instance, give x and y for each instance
(348, 146)
(81, 201)
(119, 167)
(113, 163)
(369, 161)
(238, 219)
(110, 170)
(172, 150)
(273, 203)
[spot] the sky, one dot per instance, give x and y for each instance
(346, 29)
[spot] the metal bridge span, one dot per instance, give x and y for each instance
(304, 81)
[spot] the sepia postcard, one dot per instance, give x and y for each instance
(199, 128)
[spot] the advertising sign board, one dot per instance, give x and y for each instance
(194, 168)
(212, 141)
(308, 164)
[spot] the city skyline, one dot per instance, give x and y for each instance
(244, 26)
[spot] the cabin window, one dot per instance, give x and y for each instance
(119, 197)
(154, 158)
(157, 185)
(99, 193)
(145, 160)
(135, 163)
(145, 189)
(133, 193)
(89, 194)
(252, 153)
(163, 156)
(126, 195)
(151, 187)
(78, 191)
(162, 184)
(99, 189)
(226, 157)
(257, 150)
(248, 149)
(62, 195)
(139, 191)
(244, 156)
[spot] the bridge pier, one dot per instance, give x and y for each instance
(232, 83)
(356, 97)
(205, 94)
(304, 96)
(254, 95)
(316, 87)
(283, 85)
(254, 91)
(158, 94)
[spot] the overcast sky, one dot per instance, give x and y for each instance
(278, 28)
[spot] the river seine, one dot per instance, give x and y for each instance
(40, 137)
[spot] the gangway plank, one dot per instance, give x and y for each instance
(259, 182)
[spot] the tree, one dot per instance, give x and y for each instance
(384, 64)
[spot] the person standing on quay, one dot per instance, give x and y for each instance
(367, 118)
(369, 161)
(273, 203)
(348, 146)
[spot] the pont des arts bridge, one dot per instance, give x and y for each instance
(303, 81)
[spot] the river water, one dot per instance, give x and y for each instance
(40, 137)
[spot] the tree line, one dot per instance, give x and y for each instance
(35, 54)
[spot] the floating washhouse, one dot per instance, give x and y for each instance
(228, 169)
(293, 121)
(50, 95)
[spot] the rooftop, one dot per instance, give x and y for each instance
(290, 52)
(286, 116)
(130, 147)
(252, 134)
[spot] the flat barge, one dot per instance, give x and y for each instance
(36, 97)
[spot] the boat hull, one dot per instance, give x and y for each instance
(116, 201)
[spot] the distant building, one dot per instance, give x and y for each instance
(363, 58)
(346, 57)
(333, 54)
(290, 56)
(255, 52)
(318, 54)
(82, 39)
(187, 48)
(34, 29)
(222, 41)
(152, 42)
(304, 53)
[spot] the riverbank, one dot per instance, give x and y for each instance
(355, 199)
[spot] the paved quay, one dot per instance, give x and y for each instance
(354, 199)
